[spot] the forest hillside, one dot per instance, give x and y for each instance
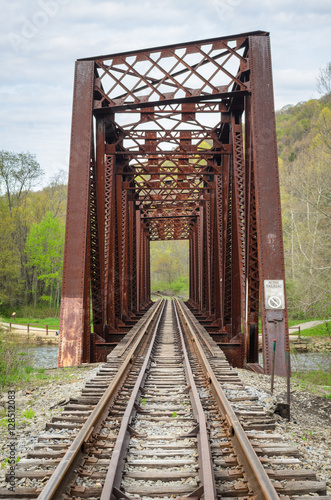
(304, 147)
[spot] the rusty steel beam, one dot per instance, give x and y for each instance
(268, 209)
(74, 330)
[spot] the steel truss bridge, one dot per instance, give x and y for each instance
(168, 143)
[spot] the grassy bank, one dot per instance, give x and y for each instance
(315, 381)
(16, 364)
(53, 323)
(35, 317)
(322, 330)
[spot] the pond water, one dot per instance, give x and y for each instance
(305, 361)
(43, 356)
(46, 357)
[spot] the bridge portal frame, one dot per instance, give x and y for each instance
(227, 204)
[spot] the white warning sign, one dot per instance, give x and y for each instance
(274, 294)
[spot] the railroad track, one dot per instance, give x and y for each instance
(165, 417)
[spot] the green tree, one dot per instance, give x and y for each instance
(11, 285)
(169, 265)
(306, 203)
(323, 81)
(44, 250)
(18, 173)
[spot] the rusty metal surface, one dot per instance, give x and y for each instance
(257, 477)
(170, 163)
(268, 209)
(73, 333)
(206, 473)
(117, 462)
(55, 487)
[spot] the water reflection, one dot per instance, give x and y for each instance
(46, 357)
(308, 361)
(43, 356)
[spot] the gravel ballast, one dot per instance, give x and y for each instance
(309, 428)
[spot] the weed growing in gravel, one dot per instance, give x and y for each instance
(174, 414)
(4, 422)
(29, 413)
(307, 379)
(15, 365)
(316, 377)
(7, 461)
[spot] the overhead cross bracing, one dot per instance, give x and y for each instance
(175, 142)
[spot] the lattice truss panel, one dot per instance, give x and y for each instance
(168, 106)
(198, 69)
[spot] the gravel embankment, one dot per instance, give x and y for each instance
(308, 430)
(36, 405)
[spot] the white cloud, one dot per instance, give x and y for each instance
(41, 39)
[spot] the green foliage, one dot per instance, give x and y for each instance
(304, 140)
(8, 461)
(18, 173)
(20, 209)
(44, 248)
(322, 330)
(52, 323)
(15, 365)
(315, 377)
(169, 266)
(28, 413)
(11, 284)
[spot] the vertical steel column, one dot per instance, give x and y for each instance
(204, 268)
(131, 259)
(148, 267)
(124, 256)
(191, 268)
(110, 232)
(213, 252)
(269, 222)
(193, 275)
(200, 259)
(145, 256)
(74, 331)
(239, 219)
(138, 258)
(252, 262)
(97, 230)
(219, 245)
(142, 267)
(234, 270)
(118, 251)
(194, 256)
(207, 258)
(227, 240)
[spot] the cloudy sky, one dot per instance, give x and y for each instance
(41, 39)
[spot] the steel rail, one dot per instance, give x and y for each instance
(115, 468)
(134, 336)
(59, 479)
(206, 472)
(257, 477)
